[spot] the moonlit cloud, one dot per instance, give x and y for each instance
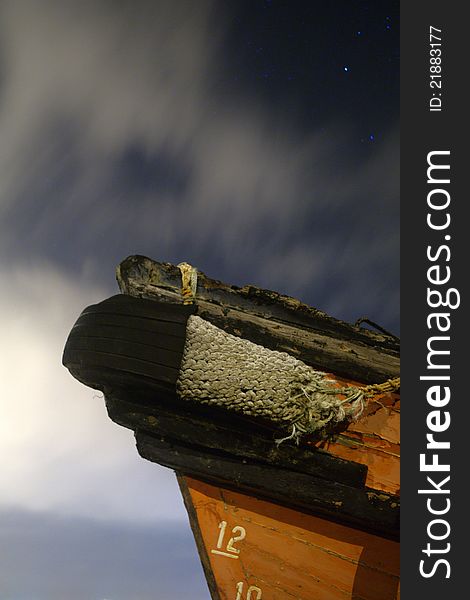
(60, 452)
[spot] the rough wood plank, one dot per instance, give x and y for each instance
(348, 359)
(141, 271)
(374, 441)
(275, 321)
(232, 436)
(363, 508)
(288, 554)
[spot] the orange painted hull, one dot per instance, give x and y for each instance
(375, 441)
(256, 550)
(286, 554)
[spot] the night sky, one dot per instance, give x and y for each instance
(257, 140)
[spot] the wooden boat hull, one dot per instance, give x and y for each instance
(315, 521)
(253, 549)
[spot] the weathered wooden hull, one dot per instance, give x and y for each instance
(256, 550)
(272, 320)
(319, 520)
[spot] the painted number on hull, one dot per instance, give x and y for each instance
(231, 551)
(253, 593)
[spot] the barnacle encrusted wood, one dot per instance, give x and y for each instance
(220, 369)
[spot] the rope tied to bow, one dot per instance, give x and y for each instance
(188, 282)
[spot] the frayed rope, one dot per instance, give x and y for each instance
(328, 408)
(222, 370)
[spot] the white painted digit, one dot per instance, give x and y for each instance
(236, 538)
(251, 589)
(230, 550)
(222, 526)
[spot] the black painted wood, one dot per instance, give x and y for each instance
(80, 361)
(159, 339)
(122, 347)
(151, 327)
(156, 276)
(124, 338)
(122, 304)
(362, 508)
(215, 431)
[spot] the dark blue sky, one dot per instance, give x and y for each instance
(314, 62)
(257, 140)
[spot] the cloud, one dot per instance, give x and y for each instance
(119, 140)
(60, 452)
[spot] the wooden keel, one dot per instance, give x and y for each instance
(255, 550)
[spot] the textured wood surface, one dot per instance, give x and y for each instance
(279, 554)
(374, 441)
(273, 320)
(234, 436)
(361, 507)
(124, 342)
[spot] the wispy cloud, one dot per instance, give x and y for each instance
(116, 143)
